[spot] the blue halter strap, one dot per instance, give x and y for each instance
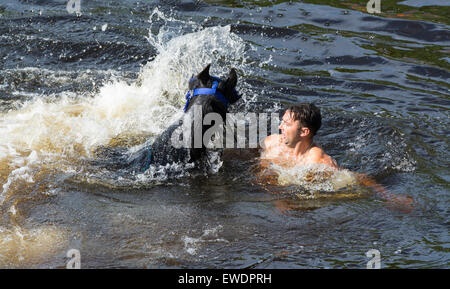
(205, 91)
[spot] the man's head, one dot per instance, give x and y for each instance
(299, 122)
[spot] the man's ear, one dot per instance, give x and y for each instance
(204, 75)
(305, 131)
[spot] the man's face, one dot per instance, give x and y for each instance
(290, 130)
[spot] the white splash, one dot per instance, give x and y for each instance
(20, 247)
(315, 177)
(210, 235)
(63, 129)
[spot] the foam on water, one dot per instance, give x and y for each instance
(315, 178)
(20, 247)
(210, 235)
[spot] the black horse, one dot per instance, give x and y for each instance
(207, 94)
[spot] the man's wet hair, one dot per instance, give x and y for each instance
(308, 114)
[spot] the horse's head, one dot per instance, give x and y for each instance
(205, 84)
(211, 95)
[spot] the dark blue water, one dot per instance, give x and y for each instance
(113, 77)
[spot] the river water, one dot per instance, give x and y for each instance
(80, 91)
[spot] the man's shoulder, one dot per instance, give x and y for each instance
(271, 140)
(318, 155)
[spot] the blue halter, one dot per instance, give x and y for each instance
(205, 91)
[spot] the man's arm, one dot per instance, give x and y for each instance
(400, 201)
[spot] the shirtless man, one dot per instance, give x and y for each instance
(295, 145)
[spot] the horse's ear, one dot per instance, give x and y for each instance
(204, 75)
(232, 79)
